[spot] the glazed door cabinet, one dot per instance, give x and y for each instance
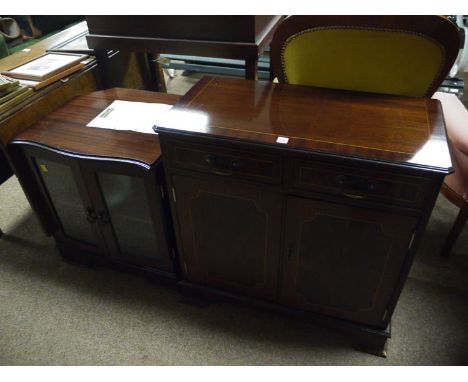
(343, 261)
(229, 233)
(105, 208)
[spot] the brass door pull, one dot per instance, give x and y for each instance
(356, 187)
(222, 166)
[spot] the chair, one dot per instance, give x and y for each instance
(399, 55)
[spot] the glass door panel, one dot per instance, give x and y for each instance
(64, 195)
(128, 206)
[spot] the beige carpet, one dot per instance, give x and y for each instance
(55, 313)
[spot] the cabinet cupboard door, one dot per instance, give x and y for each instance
(230, 234)
(343, 261)
(67, 195)
(130, 212)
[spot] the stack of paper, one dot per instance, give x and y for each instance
(134, 116)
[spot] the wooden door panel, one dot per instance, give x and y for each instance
(343, 261)
(230, 235)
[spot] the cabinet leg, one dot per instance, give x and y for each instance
(375, 345)
(251, 68)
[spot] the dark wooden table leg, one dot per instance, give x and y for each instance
(272, 69)
(251, 68)
(102, 59)
(156, 73)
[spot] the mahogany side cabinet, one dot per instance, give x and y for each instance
(300, 199)
(99, 192)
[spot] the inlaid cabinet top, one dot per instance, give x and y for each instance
(65, 128)
(408, 131)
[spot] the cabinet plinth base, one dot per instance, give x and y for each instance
(89, 260)
(76, 257)
(367, 339)
(193, 300)
(375, 345)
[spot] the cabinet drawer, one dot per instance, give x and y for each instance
(361, 184)
(226, 162)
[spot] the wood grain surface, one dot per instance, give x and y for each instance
(404, 130)
(65, 129)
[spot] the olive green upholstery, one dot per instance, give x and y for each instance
(397, 55)
(369, 60)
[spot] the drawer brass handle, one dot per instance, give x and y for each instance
(354, 196)
(221, 165)
(221, 172)
(356, 187)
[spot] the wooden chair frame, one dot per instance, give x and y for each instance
(460, 221)
(438, 28)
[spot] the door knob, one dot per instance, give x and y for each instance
(91, 216)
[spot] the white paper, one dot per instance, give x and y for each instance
(133, 116)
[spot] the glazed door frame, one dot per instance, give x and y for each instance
(154, 196)
(34, 152)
